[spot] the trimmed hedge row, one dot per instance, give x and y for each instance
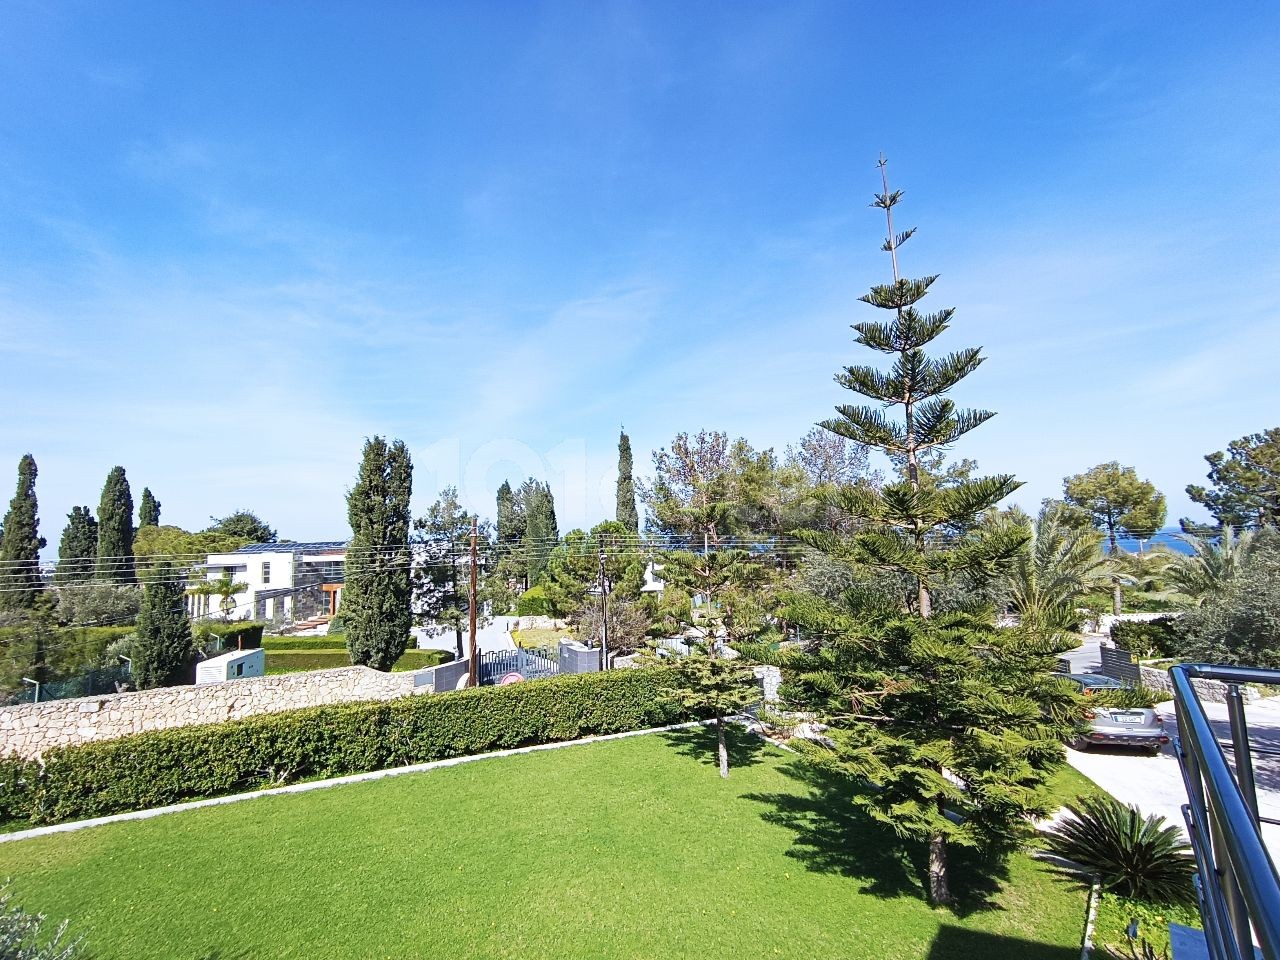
(169, 766)
(245, 635)
(1163, 636)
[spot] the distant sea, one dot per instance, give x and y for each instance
(1169, 537)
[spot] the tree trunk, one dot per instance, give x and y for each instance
(722, 746)
(458, 631)
(1117, 600)
(939, 888)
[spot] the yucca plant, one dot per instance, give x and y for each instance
(1132, 855)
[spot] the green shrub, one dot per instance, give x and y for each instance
(1116, 912)
(1132, 855)
(22, 936)
(1145, 639)
(534, 602)
(169, 766)
(237, 635)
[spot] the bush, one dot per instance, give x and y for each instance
(21, 937)
(330, 641)
(169, 766)
(1242, 625)
(1115, 913)
(1132, 855)
(87, 604)
(534, 602)
(240, 634)
(1145, 639)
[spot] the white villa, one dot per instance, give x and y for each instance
(286, 581)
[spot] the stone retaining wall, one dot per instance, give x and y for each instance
(1209, 691)
(30, 729)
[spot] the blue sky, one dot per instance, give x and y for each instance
(235, 239)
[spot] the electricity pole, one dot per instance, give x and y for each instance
(604, 615)
(473, 671)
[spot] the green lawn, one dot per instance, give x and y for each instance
(294, 661)
(628, 849)
(1069, 785)
(540, 637)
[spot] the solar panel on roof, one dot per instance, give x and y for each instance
(321, 546)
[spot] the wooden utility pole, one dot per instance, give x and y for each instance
(604, 615)
(473, 673)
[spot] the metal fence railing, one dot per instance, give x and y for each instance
(1237, 885)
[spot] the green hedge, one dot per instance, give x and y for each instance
(329, 641)
(246, 635)
(169, 766)
(534, 602)
(1162, 637)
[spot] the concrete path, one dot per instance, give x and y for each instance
(1155, 785)
(494, 636)
(1086, 658)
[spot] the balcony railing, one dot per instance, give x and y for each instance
(1237, 885)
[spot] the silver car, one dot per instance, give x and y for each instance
(1123, 727)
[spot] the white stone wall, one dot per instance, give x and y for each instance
(30, 729)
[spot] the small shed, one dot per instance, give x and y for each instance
(232, 666)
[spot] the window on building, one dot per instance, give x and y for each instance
(266, 571)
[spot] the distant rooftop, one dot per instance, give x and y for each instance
(322, 546)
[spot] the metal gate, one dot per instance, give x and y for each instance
(518, 664)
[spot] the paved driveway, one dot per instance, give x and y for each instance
(1154, 784)
(495, 636)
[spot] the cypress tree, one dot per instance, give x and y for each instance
(115, 530)
(78, 548)
(164, 650)
(510, 517)
(376, 598)
(148, 509)
(627, 514)
(541, 532)
(20, 543)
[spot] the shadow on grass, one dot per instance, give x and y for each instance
(833, 836)
(959, 943)
(699, 743)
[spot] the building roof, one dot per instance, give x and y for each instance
(322, 546)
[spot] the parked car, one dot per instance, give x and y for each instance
(1093, 682)
(1117, 726)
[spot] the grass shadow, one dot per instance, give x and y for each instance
(699, 743)
(959, 943)
(832, 835)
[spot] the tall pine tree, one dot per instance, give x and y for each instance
(919, 705)
(78, 548)
(376, 597)
(627, 514)
(164, 650)
(148, 509)
(115, 530)
(20, 543)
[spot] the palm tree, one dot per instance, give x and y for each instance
(225, 588)
(1062, 562)
(1212, 565)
